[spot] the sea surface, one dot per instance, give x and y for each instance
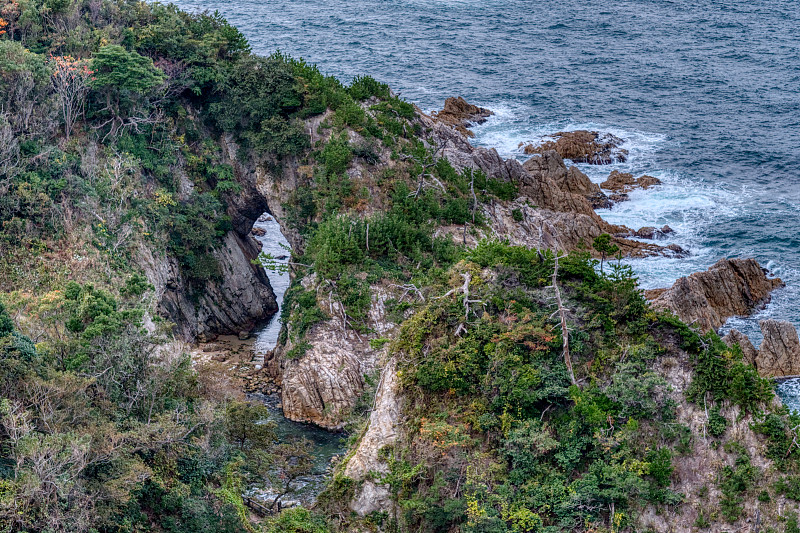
(706, 94)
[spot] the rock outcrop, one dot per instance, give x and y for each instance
(461, 115)
(731, 287)
(749, 351)
(322, 386)
(779, 354)
(569, 181)
(583, 146)
(382, 431)
(621, 183)
(236, 300)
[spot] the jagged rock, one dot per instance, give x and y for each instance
(622, 183)
(382, 431)
(258, 232)
(239, 298)
(265, 218)
(461, 115)
(576, 182)
(731, 287)
(735, 336)
(779, 354)
(666, 230)
(550, 185)
(647, 232)
(543, 228)
(583, 147)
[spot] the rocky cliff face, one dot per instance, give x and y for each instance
(235, 301)
(324, 384)
(731, 287)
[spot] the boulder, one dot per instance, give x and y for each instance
(735, 336)
(731, 287)
(779, 354)
(461, 115)
(258, 232)
(651, 232)
(583, 146)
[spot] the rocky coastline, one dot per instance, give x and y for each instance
(554, 209)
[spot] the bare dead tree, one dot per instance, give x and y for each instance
(564, 330)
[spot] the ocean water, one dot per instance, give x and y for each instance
(706, 94)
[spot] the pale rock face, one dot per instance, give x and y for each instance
(731, 287)
(323, 385)
(382, 431)
(236, 301)
(779, 354)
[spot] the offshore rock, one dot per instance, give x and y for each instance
(461, 115)
(779, 354)
(622, 183)
(731, 287)
(236, 300)
(735, 336)
(583, 146)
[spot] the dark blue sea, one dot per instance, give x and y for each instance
(706, 94)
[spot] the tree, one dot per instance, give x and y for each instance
(602, 244)
(246, 426)
(123, 77)
(71, 82)
(290, 461)
(6, 324)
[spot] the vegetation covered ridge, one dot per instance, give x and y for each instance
(534, 390)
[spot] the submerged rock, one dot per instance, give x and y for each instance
(583, 146)
(731, 287)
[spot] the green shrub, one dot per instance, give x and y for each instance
(717, 424)
(364, 87)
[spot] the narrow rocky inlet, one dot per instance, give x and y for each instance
(325, 446)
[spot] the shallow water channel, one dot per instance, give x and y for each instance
(325, 445)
